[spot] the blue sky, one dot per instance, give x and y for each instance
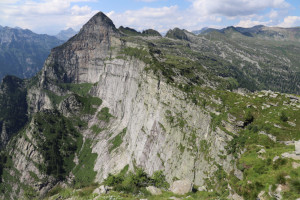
(51, 16)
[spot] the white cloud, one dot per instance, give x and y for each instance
(162, 19)
(273, 14)
(249, 23)
(8, 1)
(232, 8)
(46, 16)
(77, 10)
(156, 18)
(147, 0)
(290, 21)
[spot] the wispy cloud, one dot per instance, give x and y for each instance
(156, 18)
(290, 21)
(44, 15)
(250, 23)
(232, 8)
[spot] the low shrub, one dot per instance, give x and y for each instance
(130, 182)
(279, 162)
(295, 185)
(280, 178)
(283, 117)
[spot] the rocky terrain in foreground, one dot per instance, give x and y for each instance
(119, 114)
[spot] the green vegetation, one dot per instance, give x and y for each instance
(84, 172)
(96, 129)
(57, 141)
(138, 53)
(159, 180)
(104, 115)
(117, 141)
(295, 185)
(134, 183)
(283, 117)
(86, 193)
(89, 104)
(3, 161)
(80, 89)
(55, 99)
(13, 105)
(259, 174)
(30, 193)
(6, 167)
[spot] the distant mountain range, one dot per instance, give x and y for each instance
(23, 52)
(259, 31)
(197, 32)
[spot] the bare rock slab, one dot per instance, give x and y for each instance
(297, 147)
(181, 187)
(154, 190)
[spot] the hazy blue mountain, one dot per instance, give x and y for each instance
(66, 34)
(22, 52)
(197, 32)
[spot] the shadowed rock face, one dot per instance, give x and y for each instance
(98, 28)
(13, 107)
(177, 33)
(79, 59)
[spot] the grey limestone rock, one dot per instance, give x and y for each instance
(154, 190)
(181, 187)
(297, 147)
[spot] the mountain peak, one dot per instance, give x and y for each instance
(66, 34)
(98, 27)
(177, 33)
(101, 20)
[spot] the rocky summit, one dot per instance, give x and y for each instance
(116, 111)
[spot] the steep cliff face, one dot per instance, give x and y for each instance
(163, 131)
(147, 122)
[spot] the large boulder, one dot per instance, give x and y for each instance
(154, 190)
(181, 187)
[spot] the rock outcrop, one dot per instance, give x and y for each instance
(154, 190)
(297, 147)
(181, 187)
